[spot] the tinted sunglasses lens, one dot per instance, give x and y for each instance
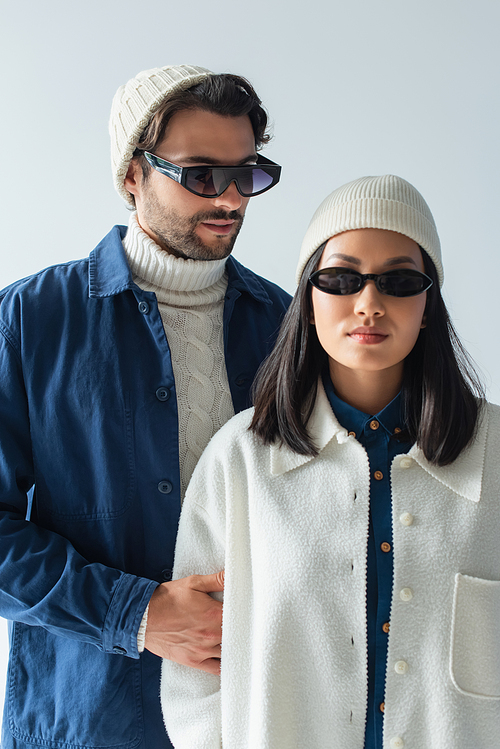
(201, 181)
(249, 181)
(402, 283)
(253, 181)
(209, 182)
(336, 281)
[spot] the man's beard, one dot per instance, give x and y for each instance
(178, 235)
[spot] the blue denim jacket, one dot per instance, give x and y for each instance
(90, 490)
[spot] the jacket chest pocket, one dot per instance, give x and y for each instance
(475, 637)
(85, 468)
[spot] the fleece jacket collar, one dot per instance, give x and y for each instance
(463, 476)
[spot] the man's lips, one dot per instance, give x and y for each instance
(219, 226)
(368, 335)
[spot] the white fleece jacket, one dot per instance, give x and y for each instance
(291, 533)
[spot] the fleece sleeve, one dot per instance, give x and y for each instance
(191, 699)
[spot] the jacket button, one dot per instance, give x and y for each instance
(406, 518)
(401, 667)
(385, 546)
(397, 743)
(405, 462)
(352, 434)
(143, 308)
(166, 575)
(374, 425)
(240, 381)
(406, 594)
(382, 707)
(119, 650)
(163, 394)
(386, 627)
(378, 475)
(165, 487)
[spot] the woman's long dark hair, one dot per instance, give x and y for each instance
(441, 391)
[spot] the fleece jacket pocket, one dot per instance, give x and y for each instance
(475, 637)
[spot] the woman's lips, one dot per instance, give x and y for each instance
(368, 335)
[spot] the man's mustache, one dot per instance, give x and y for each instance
(216, 215)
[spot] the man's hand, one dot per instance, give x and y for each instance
(185, 623)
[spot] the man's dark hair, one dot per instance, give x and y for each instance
(224, 94)
(441, 391)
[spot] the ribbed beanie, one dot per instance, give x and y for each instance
(386, 202)
(133, 106)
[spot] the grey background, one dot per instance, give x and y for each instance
(353, 88)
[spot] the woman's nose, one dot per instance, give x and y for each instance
(369, 301)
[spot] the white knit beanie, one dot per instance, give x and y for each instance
(386, 202)
(133, 106)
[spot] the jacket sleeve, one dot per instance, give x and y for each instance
(44, 580)
(191, 699)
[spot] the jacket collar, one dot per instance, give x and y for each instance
(245, 280)
(323, 428)
(463, 477)
(109, 272)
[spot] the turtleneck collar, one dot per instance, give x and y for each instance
(149, 263)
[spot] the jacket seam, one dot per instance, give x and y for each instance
(10, 340)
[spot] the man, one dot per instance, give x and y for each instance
(116, 371)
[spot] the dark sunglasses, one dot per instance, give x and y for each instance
(401, 282)
(212, 181)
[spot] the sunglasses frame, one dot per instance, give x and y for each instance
(180, 173)
(399, 272)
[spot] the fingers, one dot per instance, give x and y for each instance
(185, 622)
(210, 583)
(211, 666)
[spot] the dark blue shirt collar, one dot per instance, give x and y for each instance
(356, 421)
(109, 272)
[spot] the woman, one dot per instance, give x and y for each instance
(355, 511)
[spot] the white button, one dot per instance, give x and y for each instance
(405, 462)
(401, 667)
(397, 742)
(406, 518)
(406, 594)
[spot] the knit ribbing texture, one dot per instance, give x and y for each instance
(386, 202)
(133, 106)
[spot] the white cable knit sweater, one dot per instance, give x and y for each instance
(190, 296)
